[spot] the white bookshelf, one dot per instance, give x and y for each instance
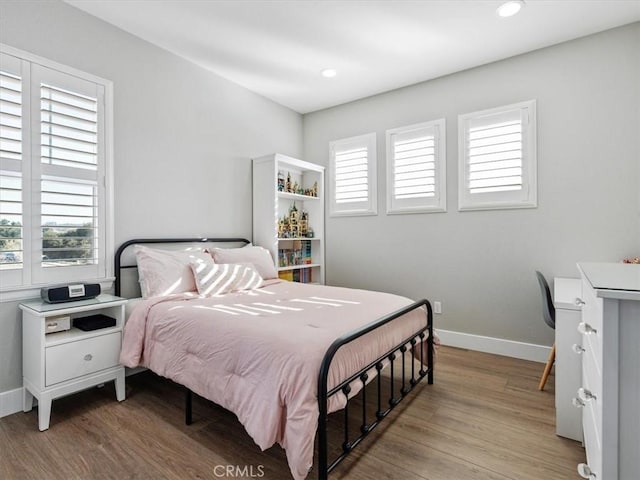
(270, 204)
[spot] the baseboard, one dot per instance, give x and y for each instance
(10, 402)
(499, 346)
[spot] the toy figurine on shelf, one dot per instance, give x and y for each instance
(288, 183)
(293, 214)
(310, 233)
(280, 181)
(303, 224)
(314, 189)
(295, 187)
(295, 224)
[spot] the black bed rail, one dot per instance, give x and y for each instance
(417, 338)
(117, 267)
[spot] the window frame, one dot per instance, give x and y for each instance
(436, 204)
(524, 198)
(31, 175)
(350, 209)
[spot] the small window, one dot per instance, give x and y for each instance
(353, 176)
(497, 158)
(416, 172)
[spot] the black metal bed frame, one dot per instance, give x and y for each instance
(416, 340)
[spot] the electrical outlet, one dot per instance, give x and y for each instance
(437, 307)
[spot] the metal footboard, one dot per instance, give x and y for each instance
(325, 465)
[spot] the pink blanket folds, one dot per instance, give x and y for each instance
(257, 353)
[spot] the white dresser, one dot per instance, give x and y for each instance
(610, 393)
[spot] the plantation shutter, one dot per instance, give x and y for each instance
(11, 166)
(498, 158)
(494, 152)
(55, 194)
(353, 175)
(415, 168)
(70, 230)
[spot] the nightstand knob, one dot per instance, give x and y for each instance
(88, 357)
(577, 348)
(579, 302)
(585, 472)
(586, 329)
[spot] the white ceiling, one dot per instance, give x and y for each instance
(277, 48)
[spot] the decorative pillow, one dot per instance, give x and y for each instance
(164, 272)
(217, 279)
(258, 256)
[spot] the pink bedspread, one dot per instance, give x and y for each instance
(258, 353)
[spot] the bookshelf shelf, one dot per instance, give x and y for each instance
(298, 267)
(295, 196)
(272, 215)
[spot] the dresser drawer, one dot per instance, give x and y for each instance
(592, 312)
(592, 442)
(592, 355)
(75, 359)
(592, 382)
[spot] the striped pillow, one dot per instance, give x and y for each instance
(218, 279)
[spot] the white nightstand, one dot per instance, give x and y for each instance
(64, 362)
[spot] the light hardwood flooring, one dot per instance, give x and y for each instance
(482, 419)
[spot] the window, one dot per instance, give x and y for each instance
(416, 168)
(55, 207)
(497, 158)
(353, 176)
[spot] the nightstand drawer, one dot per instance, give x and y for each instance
(75, 359)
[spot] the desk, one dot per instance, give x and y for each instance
(568, 362)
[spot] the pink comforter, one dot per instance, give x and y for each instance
(258, 353)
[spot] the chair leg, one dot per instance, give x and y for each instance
(547, 367)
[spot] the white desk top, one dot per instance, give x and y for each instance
(613, 280)
(565, 292)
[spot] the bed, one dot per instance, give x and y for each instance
(283, 356)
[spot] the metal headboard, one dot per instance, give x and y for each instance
(118, 267)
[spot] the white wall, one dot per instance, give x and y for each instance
(184, 137)
(481, 264)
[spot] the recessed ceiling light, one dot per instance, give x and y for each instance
(329, 73)
(510, 8)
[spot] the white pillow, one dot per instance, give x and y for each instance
(164, 272)
(258, 256)
(217, 279)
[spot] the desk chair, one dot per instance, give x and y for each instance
(549, 315)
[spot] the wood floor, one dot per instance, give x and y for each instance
(482, 419)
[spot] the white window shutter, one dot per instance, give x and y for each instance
(353, 176)
(497, 164)
(69, 221)
(416, 168)
(12, 255)
(55, 208)
(69, 128)
(70, 121)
